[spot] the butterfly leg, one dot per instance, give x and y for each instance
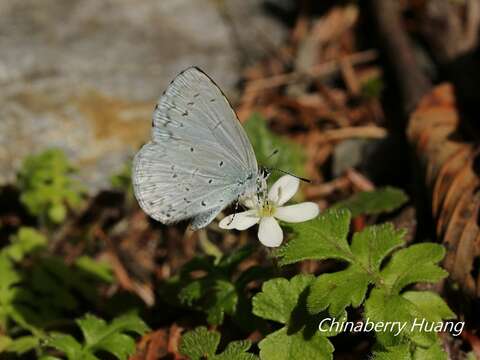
(237, 202)
(204, 218)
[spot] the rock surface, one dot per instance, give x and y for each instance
(83, 75)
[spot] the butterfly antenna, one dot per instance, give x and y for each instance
(274, 152)
(289, 173)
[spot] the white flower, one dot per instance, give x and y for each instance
(266, 211)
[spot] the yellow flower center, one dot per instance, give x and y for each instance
(266, 210)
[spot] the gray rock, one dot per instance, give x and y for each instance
(83, 75)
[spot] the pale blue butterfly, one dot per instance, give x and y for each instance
(199, 159)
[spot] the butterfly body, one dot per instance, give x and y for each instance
(199, 159)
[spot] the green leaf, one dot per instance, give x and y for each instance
(290, 156)
(403, 352)
(10, 277)
(98, 269)
(434, 352)
(237, 350)
(321, 238)
(399, 352)
(65, 343)
(338, 290)
(223, 300)
(46, 186)
(4, 342)
(99, 335)
(26, 240)
(284, 346)
(200, 344)
(374, 243)
(23, 344)
(279, 297)
(284, 301)
(374, 202)
(417, 263)
(95, 329)
(217, 292)
(414, 309)
(430, 303)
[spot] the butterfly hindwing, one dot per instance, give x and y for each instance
(198, 157)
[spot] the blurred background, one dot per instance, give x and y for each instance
(356, 95)
(84, 75)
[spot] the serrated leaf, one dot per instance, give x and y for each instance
(95, 330)
(67, 344)
(410, 310)
(374, 243)
(320, 238)
(23, 344)
(417, 263)
(374, 202)
(120, 345)
(200, 344)
(430, 303)
(434, 352)
(217, 292)
(338, 290)
(403, 352)
(222, 301)
(98, 269)
(290, 156)
(237, 350)
(26, 240)
(10, 277)
(285, 302)
(284, 346)
(100, 335)
(46, 185)
(279, 297)
(399, 352)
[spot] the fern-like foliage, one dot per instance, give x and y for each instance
(221, 290)
(38, 293)
(99, 336)
(46, 186)
(284, 301)
(201, 344)
(371, 261)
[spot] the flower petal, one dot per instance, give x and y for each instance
(297, 213)
(269, 232)
(283, 189)
(239, 221)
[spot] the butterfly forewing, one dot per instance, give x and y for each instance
(199, 157)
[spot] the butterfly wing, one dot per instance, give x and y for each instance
(199, 159)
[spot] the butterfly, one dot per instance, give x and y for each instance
(199, 159)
